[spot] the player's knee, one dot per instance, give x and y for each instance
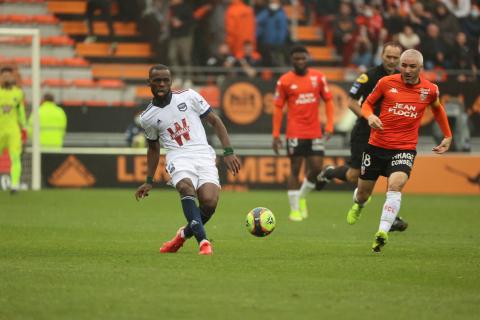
(352, 175)
(208, 206)
(185, 189)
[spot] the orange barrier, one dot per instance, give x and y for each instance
(133, 50)
(308, 33)
(442, 174)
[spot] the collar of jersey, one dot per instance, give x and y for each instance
(162, 102)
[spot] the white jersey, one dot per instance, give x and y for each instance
(178, 125)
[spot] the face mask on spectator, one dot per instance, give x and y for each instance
(274, 6)
(475, 12)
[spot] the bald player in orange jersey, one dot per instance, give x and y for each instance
(391, 149)
(301, 90)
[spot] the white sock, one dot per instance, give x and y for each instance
(293, 198)
(306, 187)
(361, 204)
(390, 210)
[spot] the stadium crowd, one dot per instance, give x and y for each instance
(446, 31)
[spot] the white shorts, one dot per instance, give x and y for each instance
(200, 169)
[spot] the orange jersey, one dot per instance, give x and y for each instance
(302, 95)
(401, 111)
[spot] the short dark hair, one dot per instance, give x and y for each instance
(392, 44)
(6, 69)
(157, 67)
(48, 97)
(298, 48)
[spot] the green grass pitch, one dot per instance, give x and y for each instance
(93, 254)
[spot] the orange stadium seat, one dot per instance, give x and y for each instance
(44, 19)
(100, 28)
(19, 18)
(67, 7)
(308, 33)
(111, 83)
(321, 53)
(120, 71)
(143, 92)
(84, 83)
(134, 50)
(75, 62)
(50, 61)
(55, 82)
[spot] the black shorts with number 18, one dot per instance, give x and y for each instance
(379, 161)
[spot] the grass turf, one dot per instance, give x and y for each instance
(93, 254)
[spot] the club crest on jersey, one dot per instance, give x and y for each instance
(424, 93)
(182, 107)
(314, 80)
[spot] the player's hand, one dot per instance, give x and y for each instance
(143, 191)
(443, 146)
(327, 135)
(276, 145)
(232, 163)
(375, 122)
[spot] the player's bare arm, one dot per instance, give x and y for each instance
(277, 124)
(442, 120)
(231, 161)
(329, 111)
(153, 156)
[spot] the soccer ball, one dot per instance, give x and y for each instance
(260, 222)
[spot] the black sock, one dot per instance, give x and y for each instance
(187, 231)
(192, 213)
(338, 172)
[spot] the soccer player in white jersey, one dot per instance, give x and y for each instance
(176, 119)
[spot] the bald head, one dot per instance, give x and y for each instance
(411, 63)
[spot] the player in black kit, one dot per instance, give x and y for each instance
(360, 134)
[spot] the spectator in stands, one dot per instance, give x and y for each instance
(222, 59)
(408, 38)
(135, 135)
(216, 29)
(154, 26)
(12, 121)
(272, 34)
(460, 8)
(393, 21)
(344, 32)
(472, 24)
(105, 9)
(419, 19)
(181, 41)
(202, 11)
(463, 59)
(53, 123)
(435, 50)
(362, 56)
(239, 26)
(447, 23)
(248, 61)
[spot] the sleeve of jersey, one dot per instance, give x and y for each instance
(325, 91)
(442, 119)
(150, 132)
(357, 88)
(200, 105)
(376, 93)
(22, 119)
(278, 110)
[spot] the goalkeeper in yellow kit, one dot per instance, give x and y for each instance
(12, 120)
